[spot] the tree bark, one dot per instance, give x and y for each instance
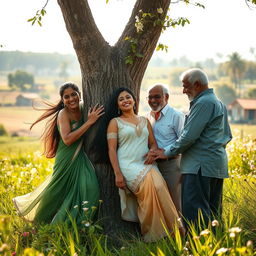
(103, 70)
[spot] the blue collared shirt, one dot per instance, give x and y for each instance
(168, 127)
(204, 137)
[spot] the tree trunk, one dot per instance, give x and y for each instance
(103, 70)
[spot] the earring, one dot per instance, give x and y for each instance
(118, 111)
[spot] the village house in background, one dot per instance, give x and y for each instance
(17, 98)
(26, 99)
(243, 111)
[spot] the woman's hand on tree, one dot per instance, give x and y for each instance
(95, 113)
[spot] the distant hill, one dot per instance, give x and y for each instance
(38, 63)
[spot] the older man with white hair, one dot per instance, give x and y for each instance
(204, 162)
(167, 123)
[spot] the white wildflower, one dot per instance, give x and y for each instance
(235, 230)
(205, 232)
(249, 244)
(160, 10)
(232, 235)
(33, 171)
(4, 247)
(221, 250)
(85, 202)
(75, 206)
(139, 26)
(87, 224)
(215, 223)
(85, 209)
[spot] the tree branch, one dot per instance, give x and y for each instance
(147, 38)
(83, 31)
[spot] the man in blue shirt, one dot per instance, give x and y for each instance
(167, 123)
(204, 162)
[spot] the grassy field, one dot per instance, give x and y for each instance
(19, 119)
(23, 168)
(243, 130)
(9, 145)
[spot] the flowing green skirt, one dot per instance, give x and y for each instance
(71, 191)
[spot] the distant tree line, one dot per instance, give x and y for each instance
(229, 78)
(21, 80)
(37, 63)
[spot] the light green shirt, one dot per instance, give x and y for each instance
(204, 137)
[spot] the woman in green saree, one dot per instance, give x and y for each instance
(72, 190)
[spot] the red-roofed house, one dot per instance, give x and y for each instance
(243, 111)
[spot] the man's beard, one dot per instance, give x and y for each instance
(159, 108)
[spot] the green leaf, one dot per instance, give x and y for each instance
(29, 20)
(43, 12)
(201, 5)
(129, 59)
(162, 47)
(139, 55)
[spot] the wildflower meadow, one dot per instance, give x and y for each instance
(23, 168)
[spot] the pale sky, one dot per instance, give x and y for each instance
(225, 26)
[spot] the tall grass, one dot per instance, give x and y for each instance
(22, 170)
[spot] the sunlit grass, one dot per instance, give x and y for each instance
(22, 168)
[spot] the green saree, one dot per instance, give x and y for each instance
(72, 189)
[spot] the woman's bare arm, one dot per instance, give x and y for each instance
(69, 136)
(112, 152)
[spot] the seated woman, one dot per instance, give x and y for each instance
(73, 185)
(143, 192)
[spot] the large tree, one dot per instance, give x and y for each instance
(21, 80)
(104, 68)
(235, 68)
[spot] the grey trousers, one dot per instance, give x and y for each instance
(170, 169)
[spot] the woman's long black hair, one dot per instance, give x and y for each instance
(51, 135)
(100, 144)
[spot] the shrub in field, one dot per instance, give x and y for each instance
(239, 197)
(242, 157)
(3, 131)
(20, 173)
(240, 188)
